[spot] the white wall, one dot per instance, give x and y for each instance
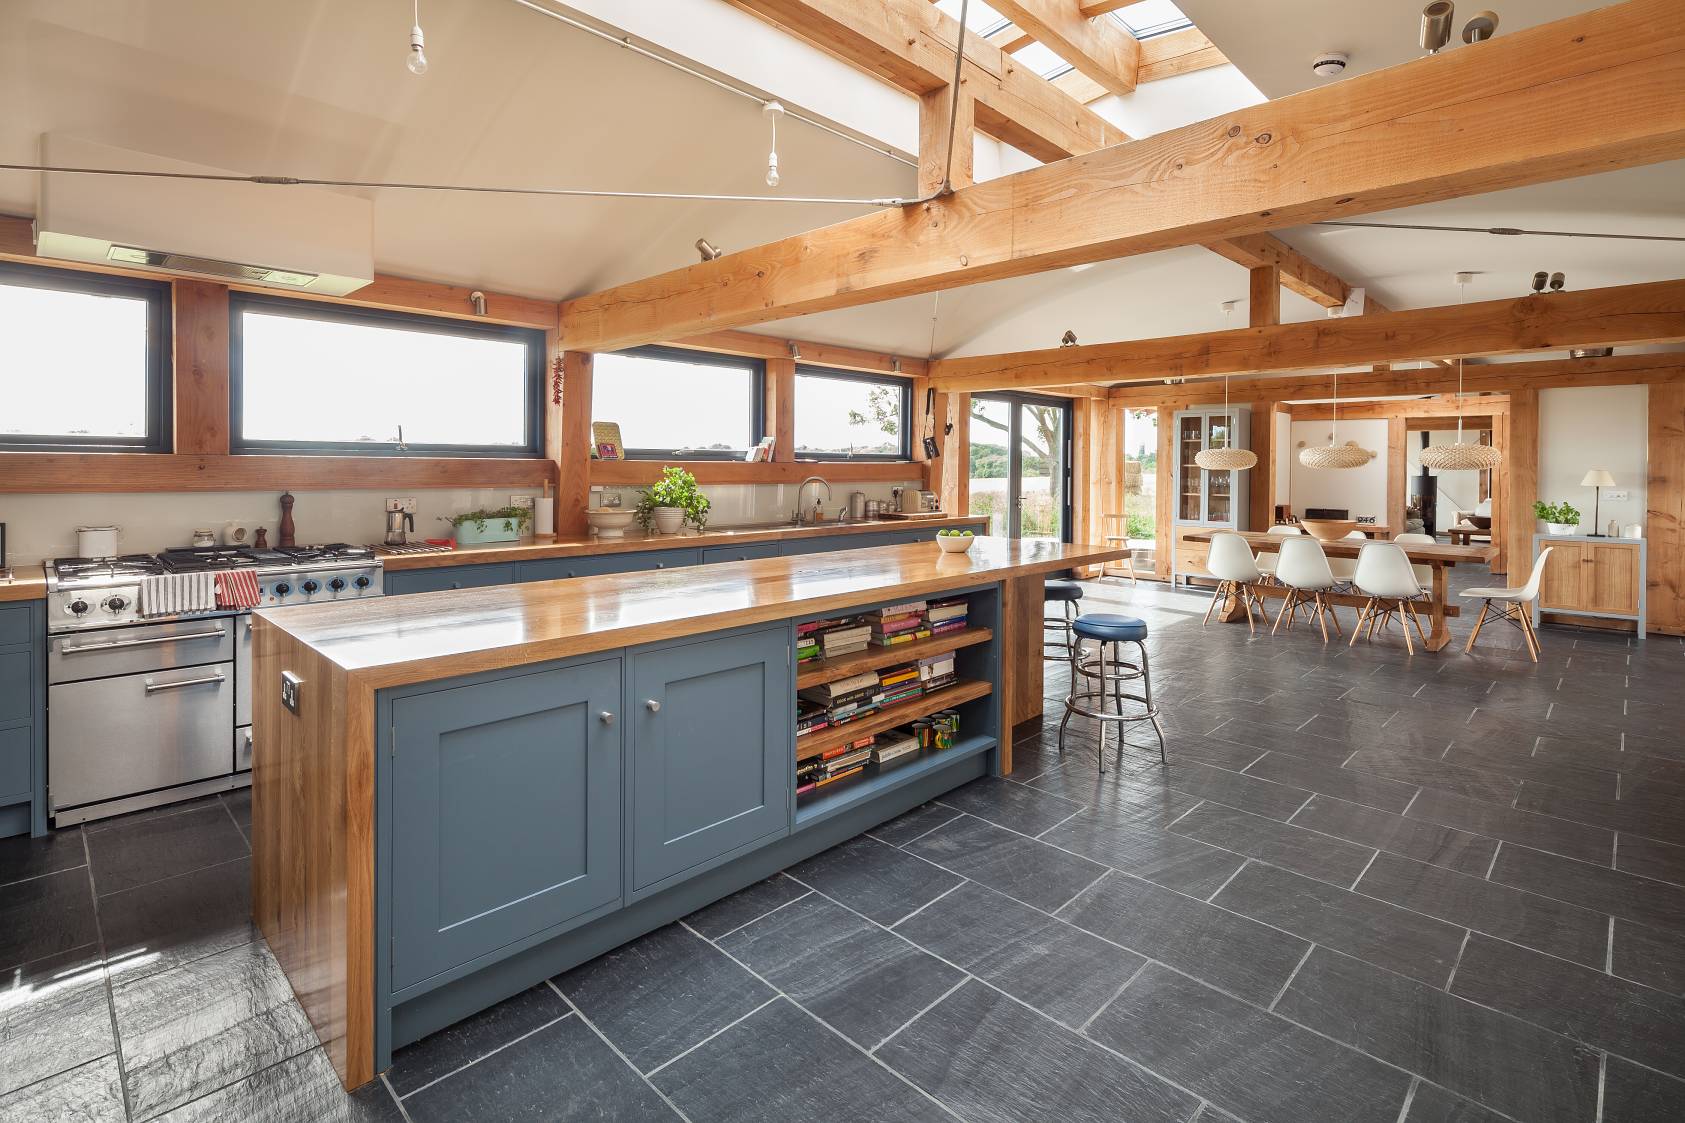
(1594, 427)
(43, 526)
(1362, 491)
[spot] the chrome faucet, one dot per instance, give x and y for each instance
(801, 516)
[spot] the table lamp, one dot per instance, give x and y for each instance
(1598, 479)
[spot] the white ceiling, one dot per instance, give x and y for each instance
(318, 88)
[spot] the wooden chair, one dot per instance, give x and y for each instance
(1121, 538)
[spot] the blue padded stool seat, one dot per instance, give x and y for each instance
(1110, 626)
(1059, 590)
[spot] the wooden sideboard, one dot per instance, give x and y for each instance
(1592, 577)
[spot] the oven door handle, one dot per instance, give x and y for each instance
(155, 687)
(218, 634)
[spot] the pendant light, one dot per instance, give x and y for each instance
(1334, 454)
(1464, 456)
(1226, 458)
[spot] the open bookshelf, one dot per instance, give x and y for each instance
(831, 670)
(835, 798)
(831, 737)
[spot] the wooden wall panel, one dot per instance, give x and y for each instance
(1664, 518)
(200, 338)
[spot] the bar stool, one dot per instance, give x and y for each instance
(1099, 681)
(1065, 593)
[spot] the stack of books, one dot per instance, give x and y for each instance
(936, 672)
(844, 636)
(846, 699)
(899, 623)
(947, 615)
(899, 683)
(894, 747)
(837, 764)
(807, 641)
(810, 717)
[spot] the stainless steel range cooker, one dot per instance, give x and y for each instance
(143, 711)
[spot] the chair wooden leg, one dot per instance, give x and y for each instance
(1286, 607)
(1525, 611)
(1212, 607)
(1362, 615)
(1416, 619)
(1334, 616)
(1322, 616)
(1246, 603)
(1404, 626)
(1485, 606)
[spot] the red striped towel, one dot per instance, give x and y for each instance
(237, 588)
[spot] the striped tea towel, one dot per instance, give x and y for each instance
(174, 594)
(237, 588)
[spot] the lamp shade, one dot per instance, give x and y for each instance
(1598, 477)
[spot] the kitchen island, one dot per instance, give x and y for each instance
(459, 794)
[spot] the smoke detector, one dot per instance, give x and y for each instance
(1329, 64)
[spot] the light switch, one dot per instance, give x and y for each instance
(291, 687)
(1617, 495)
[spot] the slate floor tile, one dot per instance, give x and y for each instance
(1634, 1094)
(1400, 735)
(45, 915)
(189, 1031)
(662, 993)
(1506, 1064)
(1011, 805)
(417, 1065)
(1374, 931)
(860, 980)
(179, 919)
(1264, 736)
(304, 1087)
(90, 1093)
(1439, 775)
(1564, 774)
(1262, 1068)
(745, 905)
(1328, 778)
(1615, 892)
(1216, 752)
(874, 879)
(53, 1016)
(1433, 1104)
(1033, 872)
(1261, 797)
(1649, 956)
(779, 1065)
(135, 851)
(1625, 1018)
(239, 804)
(1616, 815)
(1064, 972)
(990, 1058)
(23, 856)
(1159, 856)
(1487, 906)
(927, 817)
(1314, 855)
(1541, 832)
(1228, 951)
(562, 1071)
(1411, 838)
(1118, 797)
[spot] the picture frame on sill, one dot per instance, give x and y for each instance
(606, 442)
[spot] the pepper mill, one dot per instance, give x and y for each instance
(286, 520)
(262, 542)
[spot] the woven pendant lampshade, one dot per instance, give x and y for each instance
(1333, 455)
(1226, 458)
(1463, 456)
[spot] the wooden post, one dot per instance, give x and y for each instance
(1261, 482)
(573, 486)
(1108, 482)
(1164, 484)
(1398, 468)
(934, 108)
(956, 457)
(1265, 286)
(200, 338)
(781, 408)
(1521, 480)
(1664, 516)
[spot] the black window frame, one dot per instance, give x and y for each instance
(903, 385)
(532, 395)
(160, 418)
(757, 398)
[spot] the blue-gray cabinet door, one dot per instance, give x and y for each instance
(448, 577)
(748, 552)
(713, 726)
(591, 565)
(506, 812)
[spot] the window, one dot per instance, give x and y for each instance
(317, 378)
(673, 404)
(843, 416)
(1148, 18)
(84, 361)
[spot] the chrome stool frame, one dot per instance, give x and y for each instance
(1059, 643)
(1110, 675)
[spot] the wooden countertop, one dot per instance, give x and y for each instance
(29, 582)
(637, 540)
(1349, 548)
(388, 641)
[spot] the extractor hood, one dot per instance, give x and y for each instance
(297, 239)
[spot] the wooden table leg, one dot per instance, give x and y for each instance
(1439, 635)
(1232, 609)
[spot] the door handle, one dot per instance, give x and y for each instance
(218, 634)
(652, 706)
(606, 718)
(155, 687)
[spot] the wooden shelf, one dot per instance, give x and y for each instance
(822, 803)
(835, 736)
(821, 671)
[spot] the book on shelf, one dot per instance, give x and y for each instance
(830, 693)
(889, 612)
(937, 671)
(953, 608)
(906, 636)
(839, 776)
(948, 628)
(894, 746)
(810, 718)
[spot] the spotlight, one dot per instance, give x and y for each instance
(1539, 280)
(707, 249)
(1481, 27)
(1436, 25)
(1069, 339)
(1557, 280)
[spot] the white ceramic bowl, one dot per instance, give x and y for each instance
(610, 522)
(954, 544)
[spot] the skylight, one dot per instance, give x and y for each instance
(1040, 59)
(1152, 17)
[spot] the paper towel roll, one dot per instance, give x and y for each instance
(544, 517)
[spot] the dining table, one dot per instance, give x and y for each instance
(1438, 558)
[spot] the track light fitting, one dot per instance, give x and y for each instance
(708, 250)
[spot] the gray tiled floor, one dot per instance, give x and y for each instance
(1367, 886)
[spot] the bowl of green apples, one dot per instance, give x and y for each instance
(955, 541)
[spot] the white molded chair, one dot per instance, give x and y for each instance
(1303, 568)
(1267, 559)
(1344, 568)
(1386, 577)
(1424, 573)
(1514, 605)
(1231, 562)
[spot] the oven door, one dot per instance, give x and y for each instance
(121, 736)
(138, 648)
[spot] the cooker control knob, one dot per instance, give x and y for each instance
(362, 582)
(78, 607)
(311, 586)
(116, 604)
(282, 588)
(337, 584)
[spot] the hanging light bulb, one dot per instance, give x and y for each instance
(1463, 456)
(1226, 458)
(417, 61)
(773, 112)
(1334, 454)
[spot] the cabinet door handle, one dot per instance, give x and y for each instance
(652, 706)
(606, 718)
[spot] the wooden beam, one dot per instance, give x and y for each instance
(1298, 272)
(573, 485)
(1164, 495)
(936, 167)
(750, 345)
(780, 408)
(150, 471)
(956, 455)
(1594, 92)
(1260, 479)
(1619, 316)
(638, 473)
(1398, 471)
(200, 386)
(1664, 515)
(1180, 52)
(1479, 378)
(1100, 49)
(1264, 286)
(1520, 473)
(1477, 412)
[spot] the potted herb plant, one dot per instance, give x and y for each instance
(502, 525)
(1559, 518)
(672, 502)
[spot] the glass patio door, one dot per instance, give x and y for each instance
(1021, 464)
